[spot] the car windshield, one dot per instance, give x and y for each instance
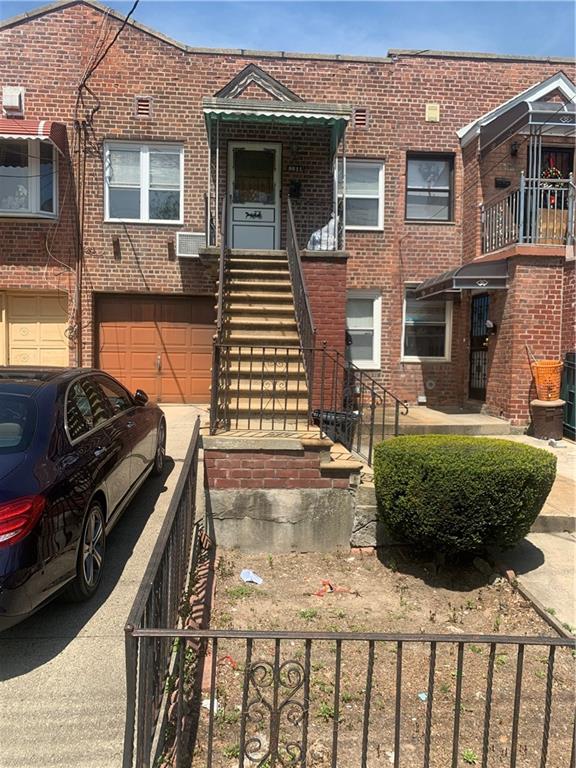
(17, 422)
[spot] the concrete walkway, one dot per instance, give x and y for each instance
(62, 671)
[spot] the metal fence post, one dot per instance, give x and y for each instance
(522, 208)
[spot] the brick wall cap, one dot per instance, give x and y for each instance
(512, 57)
(220, 443)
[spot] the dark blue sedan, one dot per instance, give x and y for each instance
(75, 446)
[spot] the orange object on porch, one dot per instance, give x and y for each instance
(547, 377)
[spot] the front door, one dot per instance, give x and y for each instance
(254, 195)
(478, 347)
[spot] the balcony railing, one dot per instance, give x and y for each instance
(538, 212)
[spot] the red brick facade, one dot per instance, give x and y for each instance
(395, 91)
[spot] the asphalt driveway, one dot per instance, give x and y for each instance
(62, 671)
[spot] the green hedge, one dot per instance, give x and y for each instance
(454, 494)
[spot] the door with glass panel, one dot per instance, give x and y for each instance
(254, 195)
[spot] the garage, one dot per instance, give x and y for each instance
(34, 326)
(160, 344)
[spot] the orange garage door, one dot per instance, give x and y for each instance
(158, 344)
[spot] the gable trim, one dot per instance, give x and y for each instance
(255, 74)
(536, 92)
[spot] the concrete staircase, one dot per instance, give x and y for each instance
(265, 375)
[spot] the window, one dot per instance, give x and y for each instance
(144, 183)
(86, 408)
(28, 174)
(116, 395)
(427, 329)
(429, 187)
(363, 324)
(364, 193)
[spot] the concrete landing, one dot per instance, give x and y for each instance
(422, 420)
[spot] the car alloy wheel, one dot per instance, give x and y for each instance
(93, 545)
(160, 455)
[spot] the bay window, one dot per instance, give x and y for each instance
(28, 178)
(144, 182)
(427, 328)
(364, 193)
(429, 187)
(363, 324)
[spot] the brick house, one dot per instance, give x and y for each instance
(409, 190)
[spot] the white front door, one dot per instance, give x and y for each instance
(254, 195)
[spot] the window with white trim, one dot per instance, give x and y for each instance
(363, 328)
(28, 178)
(364, 193)
(144, 182)
(427, 329)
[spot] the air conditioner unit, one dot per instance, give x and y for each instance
(13, 101)
(188, 244)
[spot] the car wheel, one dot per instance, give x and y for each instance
(160, 456)
(91, 555)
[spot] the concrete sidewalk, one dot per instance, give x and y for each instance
(62, 692)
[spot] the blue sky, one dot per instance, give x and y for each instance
(538, 28)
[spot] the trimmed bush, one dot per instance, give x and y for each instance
(454, 494)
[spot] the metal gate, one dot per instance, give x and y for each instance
(478, 347)
(569, 395)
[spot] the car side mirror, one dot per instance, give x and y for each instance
(140, 397)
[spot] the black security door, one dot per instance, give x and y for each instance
(478, 347)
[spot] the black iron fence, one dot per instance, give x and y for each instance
(538, 211)
(298, 699)
(222, 276)
(292, 389)
(158, 603)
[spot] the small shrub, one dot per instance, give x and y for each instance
(455, 494)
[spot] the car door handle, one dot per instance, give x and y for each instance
(130, 424)
(100, 452)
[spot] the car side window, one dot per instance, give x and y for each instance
(86, 408)
(116, 395)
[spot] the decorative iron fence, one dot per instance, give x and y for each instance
(297, 699)
(158, 604)
(216, 362)
(267, 388)
(538, 211)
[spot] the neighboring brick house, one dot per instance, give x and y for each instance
(92, 270)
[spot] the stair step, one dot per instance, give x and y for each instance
(256, 405)
(293, 371)
(278, 352)
(263, 338)
(260, 309)
(269, 274)
(249, 262)
(258, 253)
(261, 295)
(242, 321)
(267, 384)
(257, 283)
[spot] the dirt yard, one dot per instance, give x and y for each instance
(373, 596)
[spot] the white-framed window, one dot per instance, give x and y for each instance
(28, 178)
(426, 329)
(363, 328)
(364, 193)
(144, 182)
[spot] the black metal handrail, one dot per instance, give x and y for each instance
(352, 407)
(281, 706)
(157, 604)
(302, 309)
(216, 362)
